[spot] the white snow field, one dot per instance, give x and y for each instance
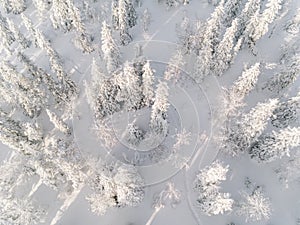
(139, 112)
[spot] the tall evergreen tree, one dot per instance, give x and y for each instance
(147, 84)
(158, 119)
(286, 113)
(111, 52)
(224, 50)
(275, 145)
(238, 136)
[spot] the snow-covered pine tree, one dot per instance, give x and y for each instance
(237, 137)
(58, 122)
(82, 41)
(275, 145)
(13, 134)
(207, 185)
(115, 187)
(59, 16)
(17, 6)
(286, 113)
(24, 42)
(115, 14)
(259, 23)
(214, 26)
(42, 77)
(6, 6)
(251, 7)
(15, 210)
(236, 94)
(146, 20)
(14, 171)
(6, 35)
(133, 134)
(111, 52)
(172, 3)
(255, 206)
(27, 94)
(173, 69)
(158, 120)
(224, 51)
(287, 76)
(129, 184)
(231, 11)
(187, 35)
(130, 90)
(124, 26)
(147, 84)
(42, 6)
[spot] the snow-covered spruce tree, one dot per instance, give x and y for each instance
(111, 52)
(27, 95)
(287, 76)
(147, 84)
(224, 51)
(158, 119)
(14, 210)
(231, 10)
(82, 41)
(15, 135)
(6, 6)
(124, 22)
(275, 145)
(24, 42)
(259, 23)
(6, 35)
(254, 206)
(210, 37)
(40, 76)
(42, 6)
(130, 91)
(234, 97)
(115, 187)
(133, 134)
(173, 69)
(187, 35)
(17, 6)
(14, 171)
(58, 122)
(214, 26)
(60, 15)
(251, 7)
(207, 185)
(115, 14)
(172, 3)
(146, 20)
(238, 136)
(286, 113)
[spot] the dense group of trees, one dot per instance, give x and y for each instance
(38, 93)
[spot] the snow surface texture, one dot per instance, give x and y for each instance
(124, 112)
